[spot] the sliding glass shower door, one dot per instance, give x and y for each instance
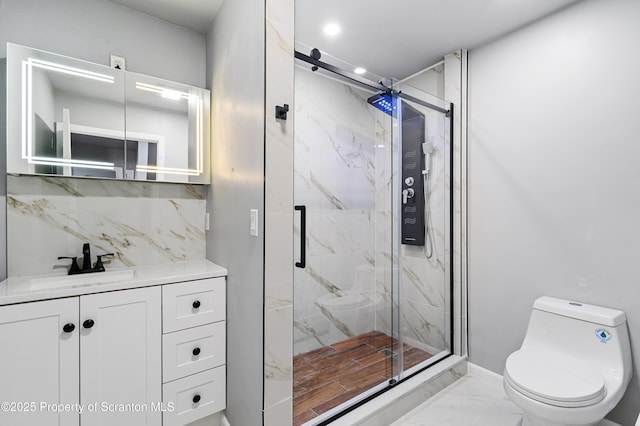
(357, 327)
(422, 217)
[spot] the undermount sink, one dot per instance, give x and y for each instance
(81, 279)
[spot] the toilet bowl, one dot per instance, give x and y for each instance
(574, 364)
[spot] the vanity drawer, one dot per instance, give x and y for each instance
(193, 350)
(209, 386)
(192, 303)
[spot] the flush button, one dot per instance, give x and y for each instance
(603, 335)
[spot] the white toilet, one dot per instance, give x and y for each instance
(574, 364)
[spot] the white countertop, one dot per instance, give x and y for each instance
(33, 288)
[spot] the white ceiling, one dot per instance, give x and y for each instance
(196, 15)
(392, 38)
(397, 38)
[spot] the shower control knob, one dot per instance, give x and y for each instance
(409, 181)
(406, 194)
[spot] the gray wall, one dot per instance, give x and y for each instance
(94, 29)
(554, 176)
(3, 170)
(235, 74)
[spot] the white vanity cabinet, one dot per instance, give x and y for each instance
(39, 362)
(120, 357)
(96, 352)
(150, 353)
(194, 348)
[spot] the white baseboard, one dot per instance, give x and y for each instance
(476, 370)
(224, 421)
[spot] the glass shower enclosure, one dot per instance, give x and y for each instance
(372, 193)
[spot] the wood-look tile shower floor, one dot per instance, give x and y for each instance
(329, 376)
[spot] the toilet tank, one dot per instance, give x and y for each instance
(590, 333)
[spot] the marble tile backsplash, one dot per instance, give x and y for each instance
(143, 223)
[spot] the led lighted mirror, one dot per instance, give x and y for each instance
(67, 117)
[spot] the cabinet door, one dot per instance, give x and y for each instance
(120, 358)
(39, 363)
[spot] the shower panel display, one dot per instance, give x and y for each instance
(413, 165)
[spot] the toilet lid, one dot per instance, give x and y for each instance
(554, 379)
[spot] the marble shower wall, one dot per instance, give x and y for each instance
(423, 292)
(336, 135)
(143, 223)
(278, 229)
(346, 168)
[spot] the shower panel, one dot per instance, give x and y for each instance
(413, 138)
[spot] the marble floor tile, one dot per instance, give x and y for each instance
(476, 399)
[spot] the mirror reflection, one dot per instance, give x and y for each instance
(165, 128)
(73, 118)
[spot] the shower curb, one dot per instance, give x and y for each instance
(393, 404)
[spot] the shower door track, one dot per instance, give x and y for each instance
(367, 83)
(346, 74)
(373, 394)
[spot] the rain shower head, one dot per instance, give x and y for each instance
(385, 102)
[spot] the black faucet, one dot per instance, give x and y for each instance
(86, 262)
(86, 257)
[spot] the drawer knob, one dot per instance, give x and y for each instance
(196, 351)
(88, 323)
(196, 398)
(196, 304)
(68, 328)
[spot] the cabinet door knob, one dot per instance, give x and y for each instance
(68, 328)
(88, 323)
(196, 304)
(196, 398)
(196, 351)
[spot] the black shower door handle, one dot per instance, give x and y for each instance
(303, 236)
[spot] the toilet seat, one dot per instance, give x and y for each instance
(554, 379)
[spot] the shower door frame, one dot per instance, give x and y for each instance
(449, 278)
(398, 376)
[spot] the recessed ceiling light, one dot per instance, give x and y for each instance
(359, 70)
(332, 29)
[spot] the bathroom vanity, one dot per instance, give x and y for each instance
(140, 346)
(129, 347)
